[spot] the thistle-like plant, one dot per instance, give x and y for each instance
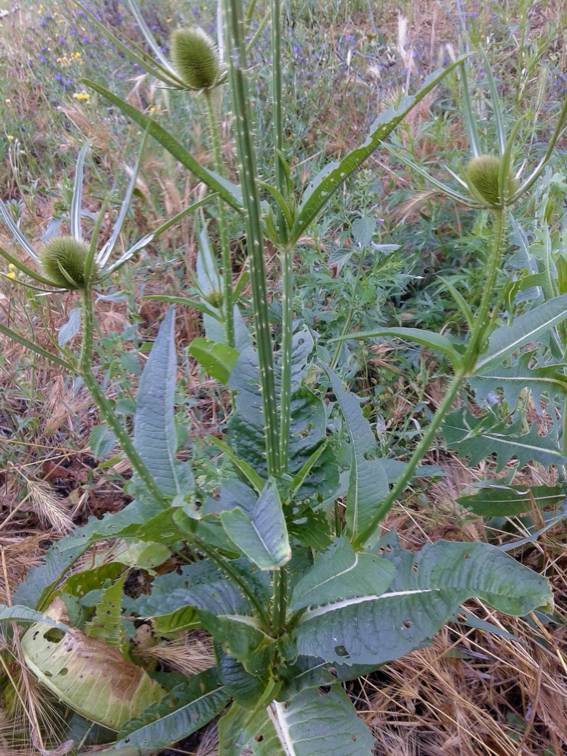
(195, 66)
(286, 567)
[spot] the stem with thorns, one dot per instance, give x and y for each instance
(255, 242)
(214, 130)
(104, 406)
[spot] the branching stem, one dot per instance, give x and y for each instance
(469, 361)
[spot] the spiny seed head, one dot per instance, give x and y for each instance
(63, 261)
(195, 57)
(215, 298)
(483, 178)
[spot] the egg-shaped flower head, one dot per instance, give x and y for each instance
(63, 262)
(195, 58)
(483, 179)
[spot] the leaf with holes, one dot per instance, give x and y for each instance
(539, 381)
(478, 438)
(311, 723)
(427, 591)
(341, 573)
(87, 675)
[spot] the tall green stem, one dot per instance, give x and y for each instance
(104, 406)
(286, 252)
(214, 131)
(255, 242)
(470, 357)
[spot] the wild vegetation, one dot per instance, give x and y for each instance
(284, 408)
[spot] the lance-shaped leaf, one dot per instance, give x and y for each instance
(368, 482)
(429, 339)
(529, 327)
(216, 358)
(315, 724)
(310, 723)
(308, 420)
(228, 191)
(260, 532)
(428, 589)
(154, 426)
(513, 380)
(478, 438)
(165, 723)
(332, 176)
(341, 573)
(504, 501)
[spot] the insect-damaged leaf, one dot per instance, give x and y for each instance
(426, 593)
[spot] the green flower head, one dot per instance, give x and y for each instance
(483, 178)
(63, 261)
(195, 58)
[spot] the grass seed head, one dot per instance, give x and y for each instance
(195, 57)
(63, 261)
(483, 178)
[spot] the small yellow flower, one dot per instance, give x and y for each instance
(76, 55)
(10, 137)
(82, 96)
(12, 272)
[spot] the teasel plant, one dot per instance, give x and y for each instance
(489, 184)
(70, 263)
(195, 66)
(286, 568)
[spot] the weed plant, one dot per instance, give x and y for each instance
(285, 566)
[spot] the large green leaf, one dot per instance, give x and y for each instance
(154, 425)
(478, 438)
(526, 328)
(333, 175)
(341, 573)
(504, 501)
(216, 358)
(311, 723)
(429, 339)
(260, 532)
(202, 698)
(368, 483)
(428, 589)
(229, 192)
